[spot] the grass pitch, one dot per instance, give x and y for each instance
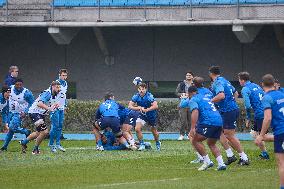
(81, 166)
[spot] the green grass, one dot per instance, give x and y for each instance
(170, 168)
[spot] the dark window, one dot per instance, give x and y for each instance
(72, 90)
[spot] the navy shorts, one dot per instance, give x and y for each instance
(35, 117)
(149, 119)
(131, 118)
(209, 131)
(257, 125)
(230, 119)
(109, 122)
(279, 143)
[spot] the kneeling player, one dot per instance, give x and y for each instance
(128, 124)
(107, 117)
(46, 102)
(206, 123)
(147, 105)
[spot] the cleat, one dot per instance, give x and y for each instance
(186, 137)
(264, 155)
(133, 147)
(148, 145)
(24, 147)
(221, 168)
(35, 151)
(142, 147)
(180, 138)
(100, 148)
(243, 162)
(231, 160)
(59, 147)
(53, 149)
(197, 160)
(205, 166)
(158, 146)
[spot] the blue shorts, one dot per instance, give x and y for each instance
(149, 119)
(35, 118)
(257, 125)
(209, 131)
(109, 122)
(131, 118)
(279, 143)
(230, 119)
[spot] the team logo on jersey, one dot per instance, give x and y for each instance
(204, 130)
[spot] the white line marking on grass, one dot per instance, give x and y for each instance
(136, 182)
(82, 148)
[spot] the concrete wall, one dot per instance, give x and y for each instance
(161, 54)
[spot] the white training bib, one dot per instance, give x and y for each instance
(2, 106)
(62, 96)
(17, 103)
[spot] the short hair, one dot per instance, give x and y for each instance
(19, 80)
(144, 85)
(5, 89)
(63, 71)
(268, 80)
(12, 68)
(192, 89)
(215, 70)
(108, 95)
(198, 81)
(190, 72)
(276, 81)
(243, 76)
(53, 83)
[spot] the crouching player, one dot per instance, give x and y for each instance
(206, 123)
(273, 103)
(46, 102)
(107, 117)
(144, 102)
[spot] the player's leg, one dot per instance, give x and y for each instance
(138, 129)
(99, 126)
(126, 130)
(183, 122)
(59, 131)
(43, 132)
(54, 118)
(230, 155)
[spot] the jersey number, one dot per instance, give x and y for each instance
(212, 106)
(282, 110)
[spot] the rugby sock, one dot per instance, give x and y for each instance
(243, 156)
(99, 143)
(126, 144)
(36, 148)
(281, 187)
(25, 141)
(229, 152)
(220, 161)
(8, 139)
(131, 141)
(207, 159)
(199, 156)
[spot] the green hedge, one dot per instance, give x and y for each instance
(78, 117)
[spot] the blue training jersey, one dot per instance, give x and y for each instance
(109, 108)
(184, 103)
(123, 113)
(145, 102)
(252, 96)
(281, 89)
(4, 109)
(274, 100)
(228, 103)
(208, 114)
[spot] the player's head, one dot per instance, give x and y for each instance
(63, 74)
(14, 71)
(198, 82)
(142, 89)
(6, 92)
(189, 75)
(109, 96)
(277, 84)
(268, 81)
(19, 83)
(214, 71)
(55, 87)
(243, 78)
(192, 90)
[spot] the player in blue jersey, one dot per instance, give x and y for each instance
(278, 86)
(128, 123)
(144, 102)
(273, 103)
(19, 102)
(224, 97)
(4, 105)
(206, 124)
(252, 96)
(46, 102)
(57, 117)
(107, 117)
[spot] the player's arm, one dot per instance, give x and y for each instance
(45, 97)
(193, 106)
(5, 114)
(132, 106)
(154, 106)
(184, 103)
(219, 90)
(236, 94)
(98, 115)
(28, 96)
(246, 93)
